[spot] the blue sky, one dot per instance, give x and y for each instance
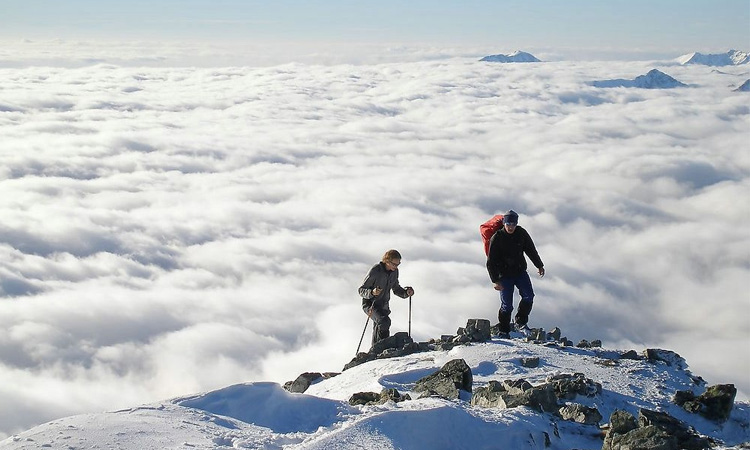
(635, 24)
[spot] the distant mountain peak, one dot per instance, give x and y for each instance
(730, 58)
(744, 87)
(654, 79)
(515, 57)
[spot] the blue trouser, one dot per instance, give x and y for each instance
(509, 283)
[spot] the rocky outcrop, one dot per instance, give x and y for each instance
(305, 380)
(653, 431)
(372, 398)
(715, 404)
(400, 344)
(568, 386)
(578, 413)
(512, 394)
(453, 377)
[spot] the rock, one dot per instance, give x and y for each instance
(583, 344)
(488, 396)
(364, 398)
(455, 375)
(302, 382)
(530, 363)
(648, 438)
(567, 386)
(399, 344)
(371, 398)
(581, 414)
(655, 355)
(515, 393)
(715, 404)
(686, 437)
(554, 334)
(397, 341)
(630, 354)
(538, 335)
(478, 330)
(653, 431)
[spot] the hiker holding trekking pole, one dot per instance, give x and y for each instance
(375, 292)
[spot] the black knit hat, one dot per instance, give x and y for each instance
(510, 217)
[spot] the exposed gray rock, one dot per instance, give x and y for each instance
(554, 334)
(530, 363)
(517, 387)
(630, 354)
(302, 382)
(372, 398)
(537, 335)
(512, 394)
(654, 431)
(655, 355)
(567, 386)
(478, 330)
(400, 344)
(715, 404)
(581, 414)
(455, 375)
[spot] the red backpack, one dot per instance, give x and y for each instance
(489, 228)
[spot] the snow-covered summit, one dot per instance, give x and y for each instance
(730, 58)
(264, 415)
(515, 57)
(654, 79)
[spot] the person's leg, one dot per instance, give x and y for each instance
(382, 325)
(506, 304)
(526, 292)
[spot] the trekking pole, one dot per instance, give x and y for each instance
(410, 316)
(369, 313)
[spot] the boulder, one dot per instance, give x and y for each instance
(654, 355)
(372, 398)
(554, 334)
(530, 363)
(568, 386)
(715, 404)
(455, 375)
(653, 431)
(478, 330)
(302, 382)
(576, 412)
(512, 394)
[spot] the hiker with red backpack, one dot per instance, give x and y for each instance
(375, 292)
(507, 265)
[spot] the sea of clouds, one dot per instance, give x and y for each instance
(170, 230)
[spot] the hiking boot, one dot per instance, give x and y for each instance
(522, 327)
(503, 335)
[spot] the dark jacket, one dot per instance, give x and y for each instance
(506, 258)
(387, 280)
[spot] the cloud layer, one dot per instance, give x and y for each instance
(173, 230)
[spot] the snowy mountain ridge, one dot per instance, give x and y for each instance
(654, 79)
(265, 415)
(516, 57)
(730, 58)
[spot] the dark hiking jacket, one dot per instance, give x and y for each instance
(506, 256)
(387, 280)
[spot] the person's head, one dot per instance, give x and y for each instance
(391, 259)
(510, 220)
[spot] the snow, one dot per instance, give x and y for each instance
(515, 57)
(263, 415)
(654, 79)
(730, 58)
